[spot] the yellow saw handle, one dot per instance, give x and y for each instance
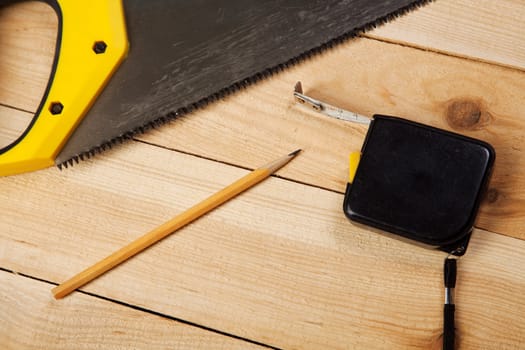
(91, 44)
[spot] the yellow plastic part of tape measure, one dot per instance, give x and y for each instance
(92, 42)
(354, 159)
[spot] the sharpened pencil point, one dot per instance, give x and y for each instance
(294, 153)
(279, 163)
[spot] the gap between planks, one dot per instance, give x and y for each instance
(485, 30)
(180, 322)
(442, 52)
(240, 166)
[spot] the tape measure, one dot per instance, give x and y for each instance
(417, 182)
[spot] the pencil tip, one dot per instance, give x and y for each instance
(279, 163)
(294, 153)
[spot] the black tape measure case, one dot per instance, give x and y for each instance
(420, 183)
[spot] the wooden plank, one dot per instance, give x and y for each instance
(366, 76)
(32, 319)
(28, 33)
(279, 264)
(492, 31)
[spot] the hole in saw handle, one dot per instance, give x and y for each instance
(80, 70)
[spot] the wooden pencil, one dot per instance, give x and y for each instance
(170, 226)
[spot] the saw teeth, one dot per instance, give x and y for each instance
(242, 84)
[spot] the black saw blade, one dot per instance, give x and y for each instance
(185, 54)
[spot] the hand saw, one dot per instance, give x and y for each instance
(122, 67)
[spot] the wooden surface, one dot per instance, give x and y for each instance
(280, 266)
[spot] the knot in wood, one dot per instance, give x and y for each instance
(466, 114)
(492, 195)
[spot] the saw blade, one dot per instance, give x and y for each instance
(185, 54)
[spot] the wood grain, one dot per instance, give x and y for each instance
(280, 264)
(309, 280)
(31, 320)
(491, 31)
